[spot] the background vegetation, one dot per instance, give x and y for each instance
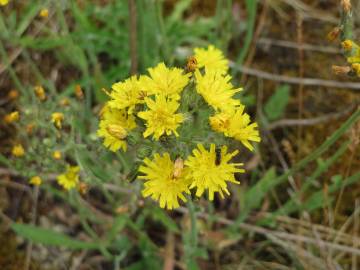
(298, 204)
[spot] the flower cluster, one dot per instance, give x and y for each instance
(166, 108)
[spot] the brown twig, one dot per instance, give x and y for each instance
(169, 255)
(293, 45)
(295, 80)
(310, 121)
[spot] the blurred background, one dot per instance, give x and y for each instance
(298, 203)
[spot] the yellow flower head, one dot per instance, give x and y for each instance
(11, 117)
(18, 150)
(40, 92)
(70, 178)
(35, 180)
(57, 155)
(210, 170)
(236, 124)
(114, 127)
(164, 183)
(127, 94)
(212, 59)
(4, 2)
(44, 13)
(217, 90)
(166, 81)
(57, 118)
(161, 117)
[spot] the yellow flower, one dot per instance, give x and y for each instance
(236, 124)
(70, 178)
(35, 180)
(44, 13)
(57, 118)
(4, 2)
(216, 90)
(163, 80)
(348, 45)
(127, 94)
(161, 117)
(40, 92)
(57, 155)
(114, 128)
(164, 182)
(18, 151)
(212, 59)
(211, 171)
(11, 117)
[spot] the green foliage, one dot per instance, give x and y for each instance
(49, 237)
(276, 105)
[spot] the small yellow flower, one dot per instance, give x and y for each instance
(13, 94)
(161, 117)
(166, 81)
(11, 117)
(164, 181)
(347, 45)
(4, 2)
(114, 128)
(207, 173)
(127, 94)
(212, 59)
(18, 150)
(44, 13)
(70, 178)
(57, 118)
(40, 92)
(236, 124)
(217, 90)
(57, 155)
(35, 180)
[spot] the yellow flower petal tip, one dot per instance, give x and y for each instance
(212, 59)
(4, 2)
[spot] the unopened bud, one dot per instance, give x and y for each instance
(117, 131)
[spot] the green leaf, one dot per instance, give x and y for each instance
(159, 215)
(119, 224)
(276, 105)
(49, 237)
